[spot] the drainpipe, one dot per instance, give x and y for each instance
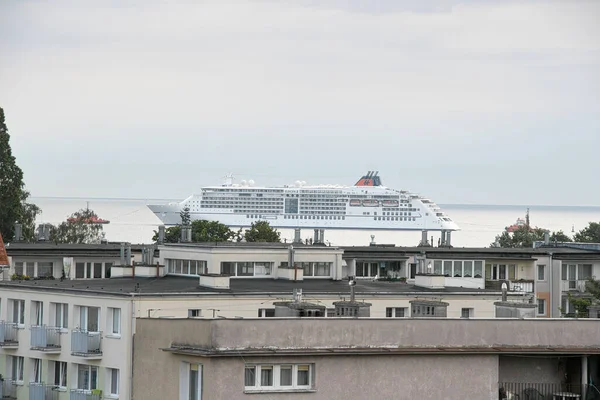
(157, 270)
(551, 283)
(132, 339)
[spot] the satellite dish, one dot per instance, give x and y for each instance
(243, 182)
(251, 182)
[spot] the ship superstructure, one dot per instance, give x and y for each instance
(366, 205)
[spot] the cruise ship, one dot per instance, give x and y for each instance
(366, 205)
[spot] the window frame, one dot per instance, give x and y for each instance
(20, 368)
(112, 313)
(276, 385)
(539, 302)
(60, 315)
(112, 373)
(19, 318)
(542, 268)
(61, 368)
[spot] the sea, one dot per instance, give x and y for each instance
(132, 221)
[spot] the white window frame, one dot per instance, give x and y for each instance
(469, 311)
(538, 306)
(394, 312)
(37, 313)
(36, 370)
(20, 363)
(276, 378)
(61, 315)
(184, 381)
(113, 376)
(537, 273)
(63, 373)
(114, 322)
(88, 383)
(19, 318)
(84, 322)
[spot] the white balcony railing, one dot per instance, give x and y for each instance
(45, 338)
(8, 334)
(8, 389)
(573, 285)
(81, 394)
(521, 286)
(41, 391)
(85, 344)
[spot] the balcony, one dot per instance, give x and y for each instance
(573, 285)
(40, 391)
(86, 344)
(521, 285)
(9, 334)
(45, 338)
(81, 394)
(8, 389)
(525, 391)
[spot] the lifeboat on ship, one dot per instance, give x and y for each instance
(355, 203)
(370, 203)
(390, 203)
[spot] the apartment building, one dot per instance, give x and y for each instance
(64, 344)
(323, 358)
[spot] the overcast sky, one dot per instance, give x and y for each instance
(493, 102)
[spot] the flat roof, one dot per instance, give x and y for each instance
(179, 285)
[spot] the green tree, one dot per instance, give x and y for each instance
(202, 231)
(589, 234)
(13, 196)
(560, 236)
(261, 231)
(581, 303)
(524, 237)
(185, 216)
(78, 229)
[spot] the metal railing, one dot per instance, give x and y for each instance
(84, 343)
(573, 285)
(8, 334)
(45, 337)
(547, 391)
(41, 391)
(81, 394)
(8, 389)
(521, 286)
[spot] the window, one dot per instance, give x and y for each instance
(36, 375)
(61, 315)
(190, 381)
(88, 318)
(87, 377)
(16, 368)
(18, 311)
(37, 313)
(44, 269)
(541, 303)
(18, 268)
(541, 272)
(60, 373)
(466, 313)
(266, 312)
(396, 312)
(114, 323)
(194, 313)
(278, 377)
(113, 377)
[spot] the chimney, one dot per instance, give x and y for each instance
(18, 232)
(504, 289)
(322, 236)
(297, 238)
(546, 237)
(122, 254)
(161, 234)
(316, 237)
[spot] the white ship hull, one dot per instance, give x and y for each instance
(324, 207)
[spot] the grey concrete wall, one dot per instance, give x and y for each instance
(405, 333)
(368, 377)
(528, 369)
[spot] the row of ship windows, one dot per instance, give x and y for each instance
(330, 217)
(405, 214)
(394, 218)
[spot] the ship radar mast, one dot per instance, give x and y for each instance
(228, 179)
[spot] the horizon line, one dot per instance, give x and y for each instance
(441, 204)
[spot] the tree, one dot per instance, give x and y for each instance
(13, 196)
(78, 229)
(589, 234)
(261, 231)
(560, 236)
(523, 237)
(202, 231)
(581, 303)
